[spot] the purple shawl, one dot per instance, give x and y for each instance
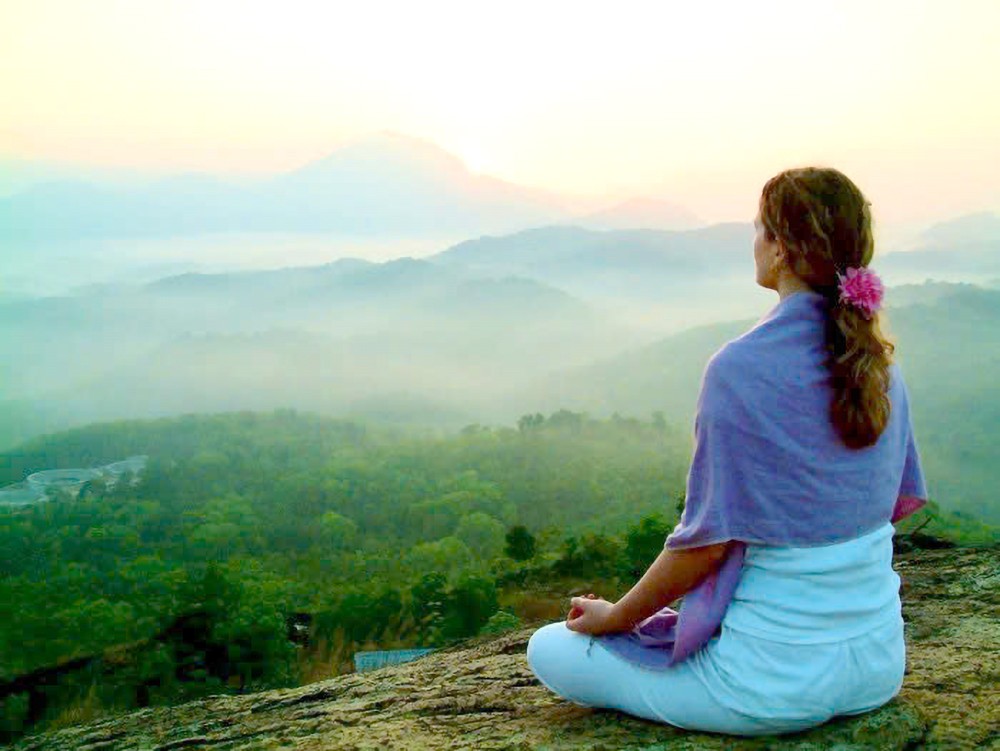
(769, 469)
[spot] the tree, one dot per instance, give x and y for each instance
(449, 554)
(520, 543)
(564, 418)
(254, 632)
(437, 517)
(529, 422)
(428, 600)
(338, 532)
(470, 604)
(643, 543)
(482, 533)
(591, 555)
(500, 622)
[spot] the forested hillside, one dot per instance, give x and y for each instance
(244, 525)
(243, 520)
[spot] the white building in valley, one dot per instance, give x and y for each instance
(37, 486)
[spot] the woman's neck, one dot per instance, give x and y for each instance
(789, 284)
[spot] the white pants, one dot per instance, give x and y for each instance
(737, 684)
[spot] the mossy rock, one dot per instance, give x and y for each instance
(482, 695)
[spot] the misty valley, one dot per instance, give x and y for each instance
(356, 455)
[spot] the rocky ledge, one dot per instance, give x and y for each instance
(482, 695)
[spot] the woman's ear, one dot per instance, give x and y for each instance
(780, 258)
(781, 253)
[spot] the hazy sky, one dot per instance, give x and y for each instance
(697, 102)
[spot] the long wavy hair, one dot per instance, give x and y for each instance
(825, 224)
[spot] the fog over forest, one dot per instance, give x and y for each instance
(146, 315)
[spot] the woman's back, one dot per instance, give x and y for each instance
(767, 456)
(818, 594)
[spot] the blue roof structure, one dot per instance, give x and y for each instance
(365, 661)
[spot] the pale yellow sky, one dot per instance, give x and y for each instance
(698, 103)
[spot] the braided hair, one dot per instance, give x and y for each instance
(824, 222)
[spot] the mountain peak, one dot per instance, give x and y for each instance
(399, 150)
(980, 227)
(642, 212)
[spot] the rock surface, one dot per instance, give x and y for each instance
(483, 696)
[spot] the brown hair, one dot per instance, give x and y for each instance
(824, 222)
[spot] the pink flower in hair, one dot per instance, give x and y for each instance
(862, 288)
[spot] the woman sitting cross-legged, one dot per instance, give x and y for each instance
(804, 456)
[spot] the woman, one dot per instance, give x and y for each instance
(804, 454)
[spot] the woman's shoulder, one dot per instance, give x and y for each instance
(790, 339)
(728, 375)
(741, 356)
(774, 357)
(724, 363)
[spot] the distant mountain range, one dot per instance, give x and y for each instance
(641, 213)
(961, 264)
(980, 230)
(18, 174)
(326, 337)
(382, 184)
(614, 288)
(643, 258)
(485, 331)
(656, 280)
(557, 251)
(964, 249)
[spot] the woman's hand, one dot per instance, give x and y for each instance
(575, 611)
(590, 615)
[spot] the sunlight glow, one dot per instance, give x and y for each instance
(643, 97)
